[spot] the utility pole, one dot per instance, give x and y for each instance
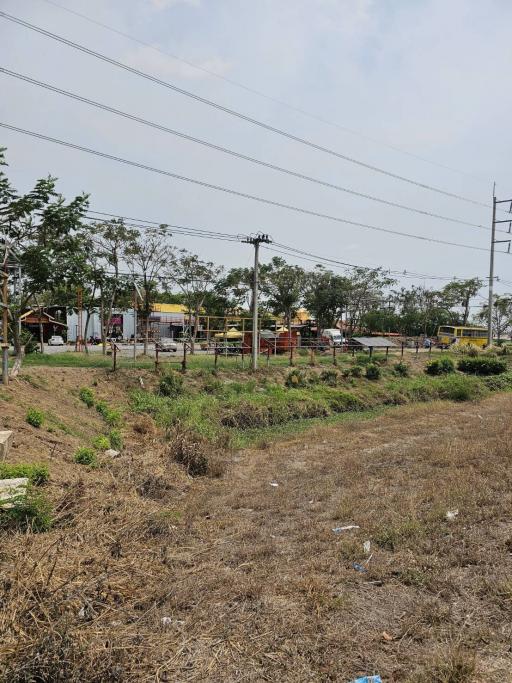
(5, 323)
(494, 241)
(256, 241)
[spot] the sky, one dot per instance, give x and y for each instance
(417, 88)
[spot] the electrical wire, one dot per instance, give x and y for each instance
(233, 112)
(233, 153)
(244, 195)
(259, 93)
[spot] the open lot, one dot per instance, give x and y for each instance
(149, 574)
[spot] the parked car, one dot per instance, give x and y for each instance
(56, 340)
(166, 344)
(334, 337)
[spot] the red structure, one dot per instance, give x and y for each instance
(274, 341)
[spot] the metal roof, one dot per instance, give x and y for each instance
(374, 342)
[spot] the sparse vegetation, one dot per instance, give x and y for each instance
(116, 440)
(87, 396)
(171, 384)
(101, 443)
(440, 366)
(372, 371)
(29, 513)
(401, 369)
(35, 417)
(85, 456)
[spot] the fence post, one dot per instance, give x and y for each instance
(268, 355)
(402, 351)
(216, 356)
(334, 361)
(417, 344)
(387, 353)
(291, 355)
(114, 357)
(184, 361)
(242, 351)
(156, 357)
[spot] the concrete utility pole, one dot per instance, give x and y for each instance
(5, 324)
(494, 241)
(256, 241)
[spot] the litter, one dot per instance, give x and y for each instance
(359, 568)
(451, 514)
(385, 636)
(111, 453)
(368, 679)
(339, 529)
(169, 621)
(366, 547)
(274, 484)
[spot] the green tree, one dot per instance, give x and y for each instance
(326, 296)
(501, 315)
(284, 287)
(460, 293)
(46, 237)
(195, 278)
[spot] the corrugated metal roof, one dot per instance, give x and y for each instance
(374, 342)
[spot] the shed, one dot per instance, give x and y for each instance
(371, 343)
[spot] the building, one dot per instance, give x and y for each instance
(34, 321)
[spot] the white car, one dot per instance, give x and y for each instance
(166, 344)
(56, 340)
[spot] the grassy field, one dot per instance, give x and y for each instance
(205, 551)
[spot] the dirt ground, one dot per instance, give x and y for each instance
(151, 575)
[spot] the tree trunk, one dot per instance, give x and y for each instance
(87, 320)
(103, 330)
(41, 334)
(18, 348)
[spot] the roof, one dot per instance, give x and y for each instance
(169, 308)
(374, 342)
(46, 318)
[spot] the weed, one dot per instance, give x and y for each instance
(344, 401)
(171, 384)
(356, 371)
(296, 379)
(31, 512)
(453, 666)
(194, 452)
(36, 473)
(440, 366)
(116, 440)
(372, 371)
(87, 396)
(329, 377)
(101, 443)
(35, 417)
(459, 388)
(85, 456)
(401, 369)
(111, 416)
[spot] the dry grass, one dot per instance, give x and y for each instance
(250, 578)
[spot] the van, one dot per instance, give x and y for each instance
(334, 337)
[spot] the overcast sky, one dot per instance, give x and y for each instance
(428, 77)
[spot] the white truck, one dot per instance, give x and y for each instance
(334, 337)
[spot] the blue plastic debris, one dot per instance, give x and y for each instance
(368, 679)
(359, 568)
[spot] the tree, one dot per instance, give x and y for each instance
(112, 242)
(148, 255)
(326, 296)
(46, 237)
(501, 315)
(460, 293)
(195, 278)
(365, 292)
(284, 286)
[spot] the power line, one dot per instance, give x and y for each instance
(266, 96)
(245, 195)
(238, 155)
(283, 248)
(233, 112)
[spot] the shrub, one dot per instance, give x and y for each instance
(85, 456)
(296, 379)
(372, 371)
(111, 416)
(101, 443)
(460, 388)
(116, 440)
(344, 402)
(36, 473)
(31, 512)
(35, 417)
(329, 377)
(498, 382)
(29, 342)
(356, 371)
(483, 365)
(102, 408)
(440, 366)
(401, 369)
(87, 396)
(171, 385)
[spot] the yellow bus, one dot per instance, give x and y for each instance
(458, 334)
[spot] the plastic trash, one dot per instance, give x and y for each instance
(451, 514)
(366, 547)
(274, 484)
(339, 529)
(359, 567)
(368, 679)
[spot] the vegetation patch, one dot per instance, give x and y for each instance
(482, 365)
(86, 456)
(31, 512)
(171, 384)
(440, 366)
(36, 473)
(35, 417)
(87, 396)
